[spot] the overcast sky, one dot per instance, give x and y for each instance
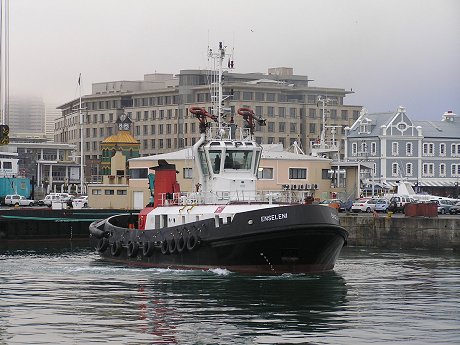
(390, 52)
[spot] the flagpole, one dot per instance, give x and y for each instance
(82, 156)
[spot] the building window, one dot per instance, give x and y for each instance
(270, 111)
(265, 174)
(109, 192)
(281, 127)
(344, 114)
(270, 97)
(122, 192)
(394, 169)
(293, 128)
(96, 192)
(409, 149)
(312, 127)
(187, 173)
(428, 169)
(394, 149)
(354, 149)
(442, 149)
(373, 148)
(293, 112)
(247, 96)
(312, 113)
(428, 149)
(260, 96)
(409, 169)
(442, 170)
(297, 173)
(455, 150)
(282, 112)
(455, 170)
(271, 127)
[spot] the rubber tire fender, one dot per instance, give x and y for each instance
(192, 241)
(116, 248)
(133, 249)
(164, 247)
(181, 243)
(148, 249)
(171, 246)
(102, 245)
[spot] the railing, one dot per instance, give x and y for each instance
(224, 132)
(225, 197)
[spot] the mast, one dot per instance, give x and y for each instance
(4, 62)
(82, 155)
(217, 97)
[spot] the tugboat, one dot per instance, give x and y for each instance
(225, 223)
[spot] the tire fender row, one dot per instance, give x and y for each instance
(179, 240)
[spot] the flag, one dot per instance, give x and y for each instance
(79, 77)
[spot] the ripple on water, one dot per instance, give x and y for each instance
(378, 297)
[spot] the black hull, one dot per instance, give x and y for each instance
(294, 239)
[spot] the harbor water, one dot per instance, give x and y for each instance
(71, 296)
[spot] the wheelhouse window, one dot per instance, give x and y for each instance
(203, 164)
(297, 173)
(215, 158)
(239, 160)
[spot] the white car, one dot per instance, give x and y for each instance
(364, 205)
(80, 202)
(55, 197)
(18, 200)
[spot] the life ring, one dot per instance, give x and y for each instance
(116, 248)
(102, 245)
(133, 249)
(164, 247)
(148, 249)
(181, 242)
(171, 245)
(192, 241)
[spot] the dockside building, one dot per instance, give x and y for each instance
(158, 108)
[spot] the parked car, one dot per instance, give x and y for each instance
(444, 206)
(335, 203)
(397, 203)
(80, 202)
(364, 205)
(382, 205)
(455, 209)
(55, 197)
(18, 200)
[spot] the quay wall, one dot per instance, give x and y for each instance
(402, 232)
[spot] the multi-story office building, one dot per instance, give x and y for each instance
(51, 114)
(158, 107)
(425, 153)
(26, 117)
